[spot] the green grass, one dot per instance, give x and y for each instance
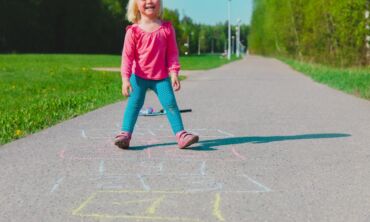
(203, 62)
(40, 90)
(354, 81)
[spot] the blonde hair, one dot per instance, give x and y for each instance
(133, 14)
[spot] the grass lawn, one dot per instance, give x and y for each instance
(40, 90)
(354, 81)
(203, 62)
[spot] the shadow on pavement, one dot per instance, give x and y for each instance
(208, 145)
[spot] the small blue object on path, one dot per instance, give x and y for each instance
(149, 111)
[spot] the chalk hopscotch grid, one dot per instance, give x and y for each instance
(151, 210)
(155, 169)
(88, 152)
(189, 183)
(156, 139)
(215, 186)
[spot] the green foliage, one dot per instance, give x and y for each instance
(89, 26)
(326, 31)
(40, 90)
(92, 26)
(354, 81)
(204, 62)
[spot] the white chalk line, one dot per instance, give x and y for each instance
(145, 186)
(265, 188)
(238, 154)
(101, 168)
(226, 133)
(203, 168)
(205, 182)
(83, 134)
(161, 167)
(151, 132)
(56, 185)
(218, 187)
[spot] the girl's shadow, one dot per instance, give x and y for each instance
(209, 145)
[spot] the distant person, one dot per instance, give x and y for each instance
(150, 60)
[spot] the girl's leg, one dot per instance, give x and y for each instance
(135, 103)
(164, 91)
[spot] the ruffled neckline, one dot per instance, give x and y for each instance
(163, 24)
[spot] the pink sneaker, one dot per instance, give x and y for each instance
(122, 140)
(185, 139)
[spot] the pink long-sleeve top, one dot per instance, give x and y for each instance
(150, 55)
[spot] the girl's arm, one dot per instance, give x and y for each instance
(128, 54)
(172, 53)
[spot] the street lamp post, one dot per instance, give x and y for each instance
(229, 31)
(233, 45)
(238, 39)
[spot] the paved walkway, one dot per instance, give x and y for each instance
(275, 146)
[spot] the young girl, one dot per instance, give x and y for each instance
(150, 61)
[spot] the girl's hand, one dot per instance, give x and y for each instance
(126, 87)
(175, 82)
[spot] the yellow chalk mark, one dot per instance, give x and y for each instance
(150, 210)
(155, 204)
(138, 217)
(134, 201)
(84, 204)
(216, 207)
(140, 191)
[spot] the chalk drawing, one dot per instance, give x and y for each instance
(145, 186)
(161, 167)
(203, 168)
(151, 132)
(111, 182)
(61, 154)
(215, 186)
(101, 168)
(90, 153)
(151, 167)
(155, 204)
(83, 134)
(238, 154)
(159, 182)
(56, 185)
(177, 154)
(266, 189)
(86, 209)
(226, 133)
(216, 207)
(83, 205)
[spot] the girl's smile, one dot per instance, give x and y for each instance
(149, 7)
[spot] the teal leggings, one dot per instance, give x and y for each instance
(164, 91)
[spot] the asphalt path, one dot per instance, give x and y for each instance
(274, 146)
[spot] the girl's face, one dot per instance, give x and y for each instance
(149, 8)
